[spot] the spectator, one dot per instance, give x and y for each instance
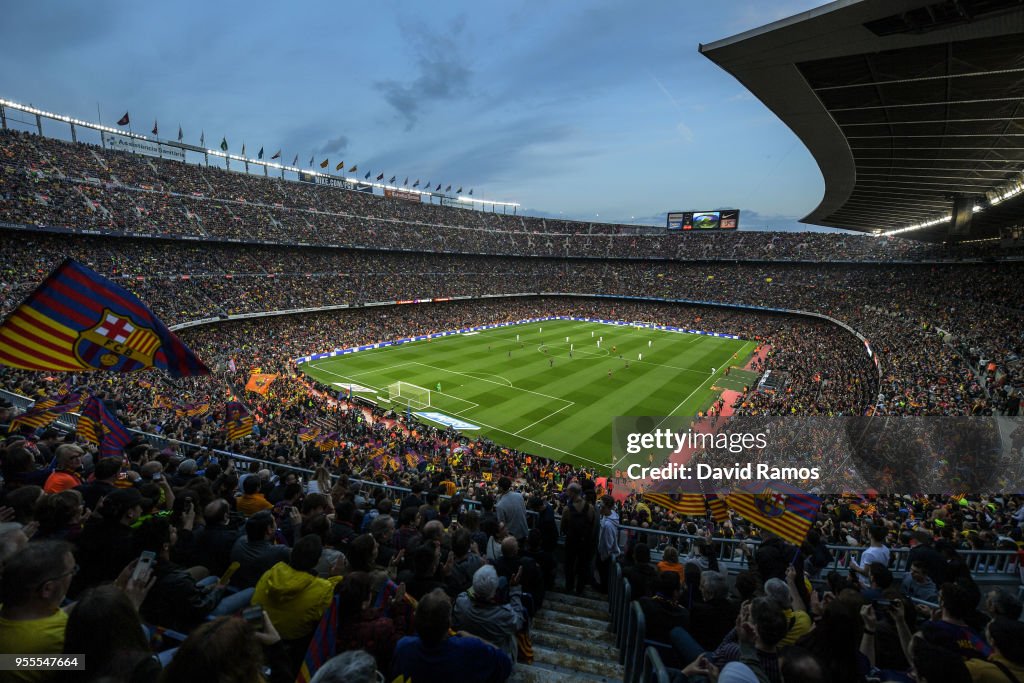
(480, 612)
(293, 596)
(68, 473)
(662, 611)
(1007, 659)
(251, 501)
(362, 627)
(107, 542)
(432, 655)
(641, 573)
(177, 600)
(511, 510)
(226, 650)
(354, 666)
(608, 540)
(578, 522)
(255, 551)
(35, 581)
(714, 615)
(917, 584)
(104, 626)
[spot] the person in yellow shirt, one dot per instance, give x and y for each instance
(1006, 662)
(291, 593)
(35, 581)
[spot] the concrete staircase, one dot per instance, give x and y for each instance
(572, 641)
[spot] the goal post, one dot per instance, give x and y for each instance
(409, 395)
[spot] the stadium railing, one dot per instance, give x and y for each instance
(992, 567)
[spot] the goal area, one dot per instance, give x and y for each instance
(409, 395)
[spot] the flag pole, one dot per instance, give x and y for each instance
(99, 120)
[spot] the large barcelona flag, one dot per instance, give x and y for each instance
(79, 320)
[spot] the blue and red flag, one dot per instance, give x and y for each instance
(323, 645)
(99, 427)
(79, 320)
(778, 507)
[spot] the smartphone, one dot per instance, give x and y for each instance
(254, 615)
(157, 476)
(232, 568)
(146, 561)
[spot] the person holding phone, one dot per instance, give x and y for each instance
(177, 600)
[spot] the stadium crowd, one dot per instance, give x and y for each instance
(48, 182)
(417, 581)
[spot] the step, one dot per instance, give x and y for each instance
(564, 642)
(577, 632)
(608, 667)
(578, 601)
(566, 608)
(547, 673)
(594, 625)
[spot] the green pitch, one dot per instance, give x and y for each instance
(531, 395)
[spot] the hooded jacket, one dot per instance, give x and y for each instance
(294, 600)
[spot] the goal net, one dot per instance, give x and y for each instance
(409, 395)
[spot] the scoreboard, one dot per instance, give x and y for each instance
(722, 219)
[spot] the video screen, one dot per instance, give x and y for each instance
(722, 219)
(706, 220)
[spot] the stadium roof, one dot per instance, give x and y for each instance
(904, 104)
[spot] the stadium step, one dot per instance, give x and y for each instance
(572, 640)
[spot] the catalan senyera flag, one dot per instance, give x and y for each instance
(691, 504)
(197, 409)
(99, 427)
(719, 510)
(259, 382)
(161, 401)
(328, 442)
(79, 320)
(784, 510)
(308, 433)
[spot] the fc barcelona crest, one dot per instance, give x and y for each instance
(770, 503)
(116, 342)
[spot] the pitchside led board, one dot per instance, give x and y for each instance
(723, 219)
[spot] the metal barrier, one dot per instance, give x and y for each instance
(993, 566)
(636, 634)
(653, 670)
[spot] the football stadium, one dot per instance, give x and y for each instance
(321, 421)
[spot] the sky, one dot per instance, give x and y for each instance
(589, 110)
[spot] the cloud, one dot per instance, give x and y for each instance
(684, 132)
(442, 73)
(336, 145)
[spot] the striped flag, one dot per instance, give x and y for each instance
(40, 416)
(323, 646)
(691, 504)
(240, 428)
(99, 427)
(308, 433)
(78, 320)
(784, 510)
(719, 510)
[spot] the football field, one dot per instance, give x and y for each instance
(526, 387)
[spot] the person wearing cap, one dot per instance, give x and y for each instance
(68, 473)
(184, 473)
(107, 542)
